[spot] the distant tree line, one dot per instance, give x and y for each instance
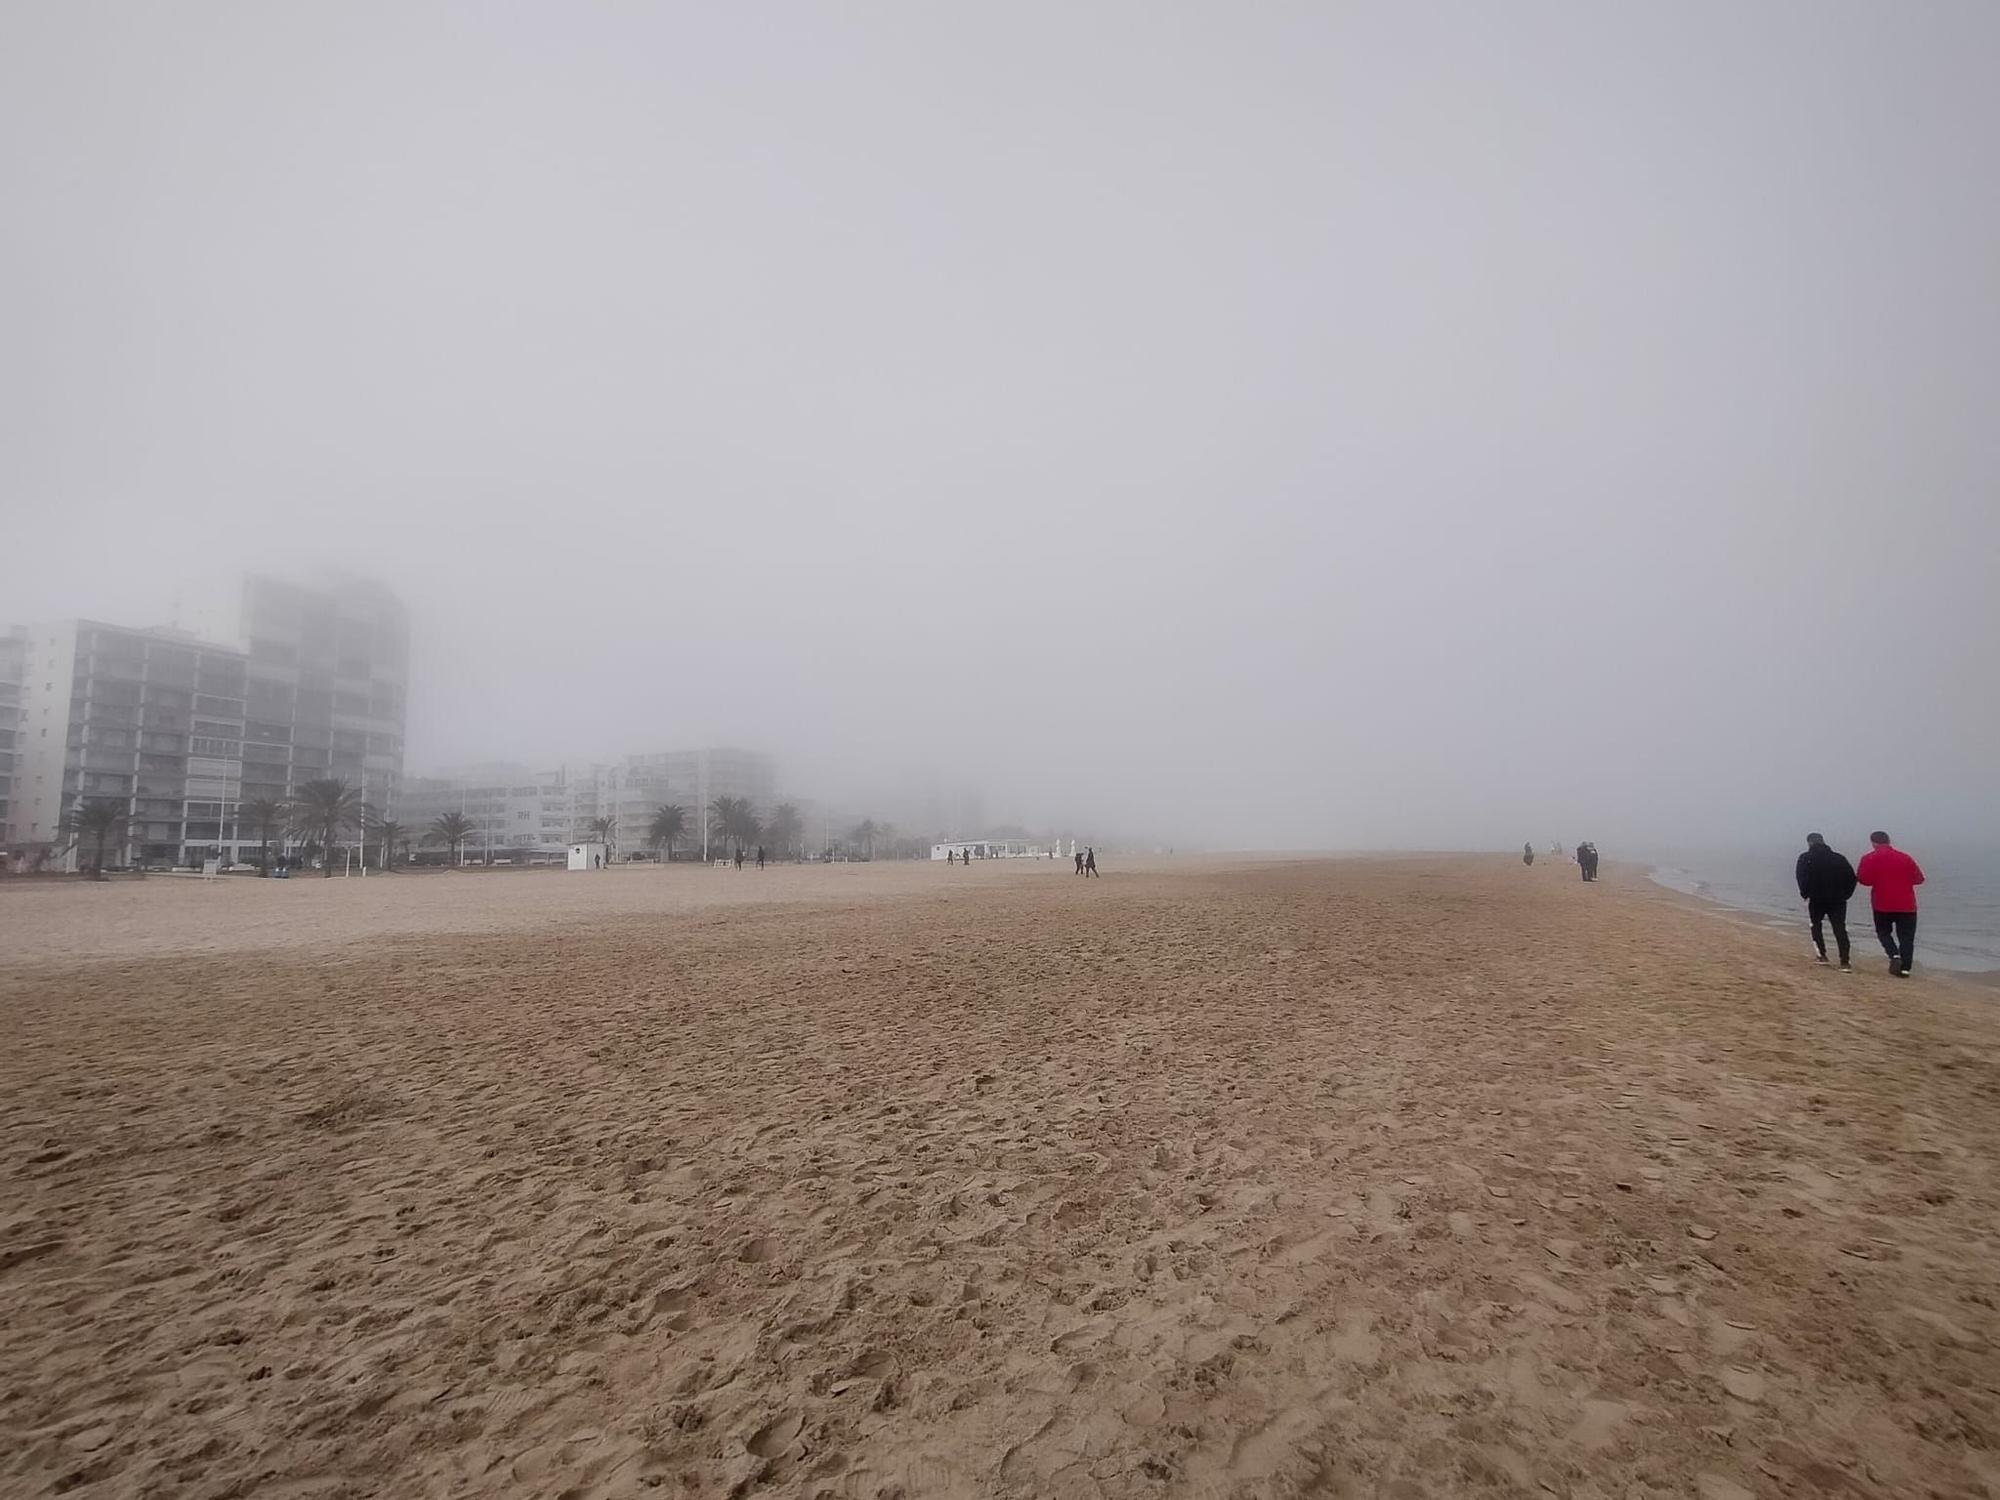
(328, 813)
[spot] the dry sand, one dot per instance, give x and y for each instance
(1412, 1177)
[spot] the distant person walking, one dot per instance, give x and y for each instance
(1079, 861)
(760, 856)
(1826, 880)
(1090, 863)
(739, 856)
(1892, 878)
(1586, 859)
(1527, 854)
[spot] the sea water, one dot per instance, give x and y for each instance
(1958, 919)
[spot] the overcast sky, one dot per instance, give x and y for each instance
(1279, 424)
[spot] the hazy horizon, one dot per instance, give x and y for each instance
(1302, 427)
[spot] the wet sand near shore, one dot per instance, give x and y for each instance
(1400, 1177)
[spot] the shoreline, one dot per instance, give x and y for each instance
(1775, 926)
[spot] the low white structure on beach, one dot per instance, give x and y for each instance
(586, 856)
(989, 849)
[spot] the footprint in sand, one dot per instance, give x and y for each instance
(1354, 1342)
(875, 1364)
(775, 1436)
(757, 1251)
(1145, 1409)
(1598, 1426)
(1076, 1338)
(671, 1305)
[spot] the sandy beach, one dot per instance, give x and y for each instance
(1397, 1177)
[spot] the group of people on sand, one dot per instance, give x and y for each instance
(1086, 860)
(1586, 856)
(1826, 881)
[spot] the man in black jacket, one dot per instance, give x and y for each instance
(1826, 880)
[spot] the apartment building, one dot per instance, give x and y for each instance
(13, 668)
(151, 720)
(516, 814)
(630, 793)
(694, 779)
(327, 687)
(182, 726)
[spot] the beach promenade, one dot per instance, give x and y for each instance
(1398, 1177)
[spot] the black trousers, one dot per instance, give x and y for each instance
(1833, 913)
(1898, 932)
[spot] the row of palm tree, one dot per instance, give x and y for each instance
(327, 808)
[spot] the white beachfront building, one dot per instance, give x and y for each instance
(989, 849)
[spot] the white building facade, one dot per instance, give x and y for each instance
(150, 721)
(181, 728)
(517, 815)
(520, 814)
(13, 667)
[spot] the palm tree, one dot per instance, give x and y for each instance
(864, 835)
(451, 828)
(734, 818)
(785, 828)
(669, 823)
(391, 833)
(324, 808)
(265, 814)
(604, 830)
(97, 818)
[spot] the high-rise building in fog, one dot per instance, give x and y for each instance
(328, 687)
(13, 666)
(178, 730)
(149, 720)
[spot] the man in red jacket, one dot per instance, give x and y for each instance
(1892, 878)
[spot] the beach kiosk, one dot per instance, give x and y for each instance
(586, 856)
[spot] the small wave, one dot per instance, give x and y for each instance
(1676, 879)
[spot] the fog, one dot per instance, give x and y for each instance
(1289, 426)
